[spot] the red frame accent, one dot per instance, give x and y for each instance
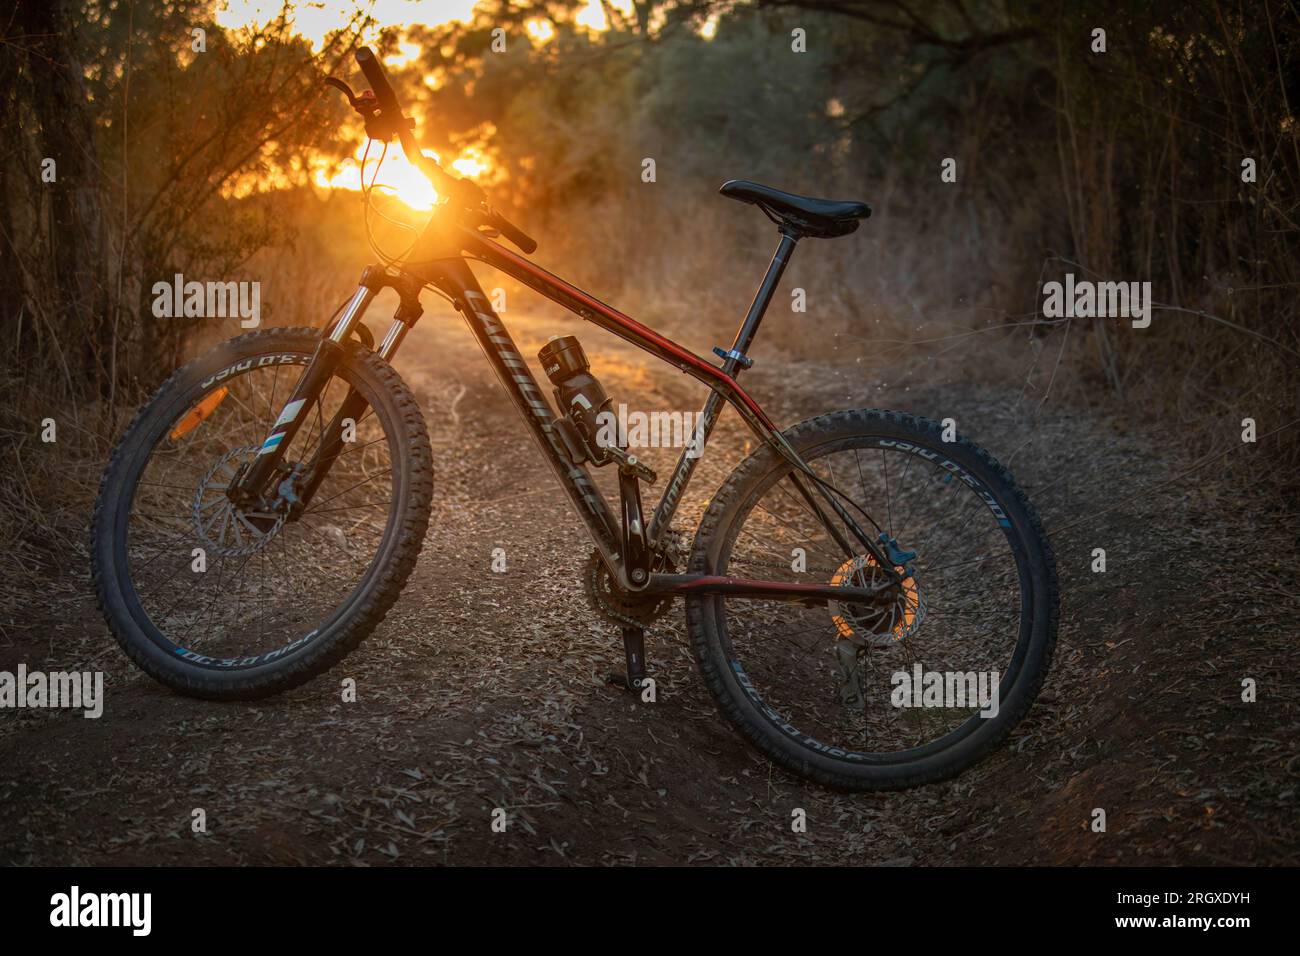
(546, 282)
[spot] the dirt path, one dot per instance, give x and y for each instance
(484, 690)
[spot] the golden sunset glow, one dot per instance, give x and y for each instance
(320, 17)
(398, 177)
(395, 176)
(540, 31)
(407, 52)
(471, 163)
(593, 15)
(316, 20)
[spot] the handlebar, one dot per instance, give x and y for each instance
(526, 243)
(378, 80)
(463, 190)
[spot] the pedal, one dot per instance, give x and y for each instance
(632, 465)
(619, 679)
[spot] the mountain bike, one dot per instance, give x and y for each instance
(262, 512)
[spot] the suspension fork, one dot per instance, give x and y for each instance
(354, 404)
(252, 484)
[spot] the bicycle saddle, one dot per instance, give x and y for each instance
(820, 218)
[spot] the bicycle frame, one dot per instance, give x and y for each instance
(439, 260)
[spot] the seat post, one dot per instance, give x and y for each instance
(749, 328)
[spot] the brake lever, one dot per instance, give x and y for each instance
(344, 89)
(367, 105)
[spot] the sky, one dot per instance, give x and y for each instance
(314, 19)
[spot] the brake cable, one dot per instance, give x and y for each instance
(369, 205)
(832, 495)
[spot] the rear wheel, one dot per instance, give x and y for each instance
(923, 681)
(225, 602)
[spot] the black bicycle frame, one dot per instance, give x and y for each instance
(438, 259)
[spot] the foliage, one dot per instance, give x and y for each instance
(1119, 165)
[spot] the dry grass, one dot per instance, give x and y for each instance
(45, 504)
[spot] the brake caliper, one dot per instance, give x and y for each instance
(898, 611)
(895, 614)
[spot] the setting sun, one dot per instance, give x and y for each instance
(395, 176)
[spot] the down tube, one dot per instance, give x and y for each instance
(518, 381)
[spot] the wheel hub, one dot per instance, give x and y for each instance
(224, 527)
(894, 616)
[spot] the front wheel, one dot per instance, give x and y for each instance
(922, 682)
(224, 601)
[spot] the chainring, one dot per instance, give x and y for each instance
(630, 609)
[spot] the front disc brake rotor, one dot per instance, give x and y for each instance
(223, 528)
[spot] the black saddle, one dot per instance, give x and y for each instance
(821, 218)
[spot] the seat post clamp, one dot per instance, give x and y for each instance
(743, 360)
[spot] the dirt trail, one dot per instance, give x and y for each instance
(484, 690)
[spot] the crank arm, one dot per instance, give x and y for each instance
(684, 585)
(636, 550)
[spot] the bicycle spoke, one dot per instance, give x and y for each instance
(829, 670)
(264, 575)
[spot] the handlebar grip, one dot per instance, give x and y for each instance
(378, 80)
(516, 235)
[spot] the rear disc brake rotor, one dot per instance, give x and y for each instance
(896, 616)
(886, 622)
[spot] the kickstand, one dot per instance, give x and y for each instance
(634, 651)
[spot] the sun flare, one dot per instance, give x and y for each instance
(394, 176)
